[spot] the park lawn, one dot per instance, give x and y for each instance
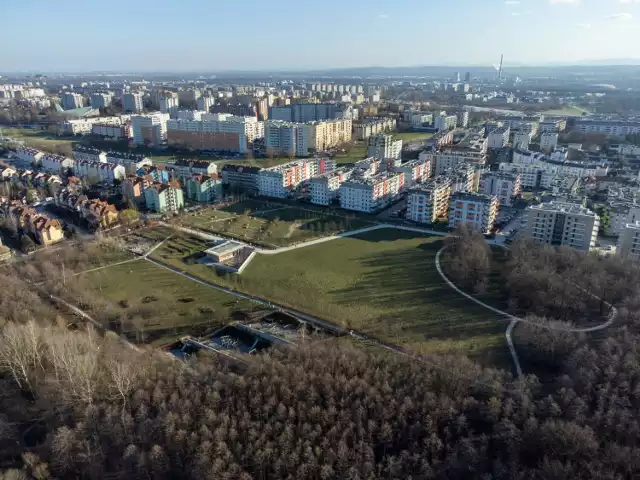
(570, 111)
(383, 283)
(412, 136)
(40, 139)
(355, 154)
(272, 224)
(175, 306)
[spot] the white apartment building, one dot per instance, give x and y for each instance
(383, 146)
(621, 214)
(323, 189)
(101, 100)
(561, 223)
(608, 127)
(463, 118)
(445, 122)
(98, 171)
(149, 129)
(132, 102)
(415, 171)
(368, 194)
(30, 155)
(498, 137)
(281, 181)
(89, 154)
(205, 103)
(550, 126)
(286, 138)
(476, 210)
(464, 178)
(170, 105)
(111, 131)
(418, 120)
(429, 201)
(505, 186)
(55, 163)
(363, 131)
(548, 142)
(71, 101)
(521, 140)
(629, 242)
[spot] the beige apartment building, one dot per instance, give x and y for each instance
(560, 223)
(428, 201)
(329, 134)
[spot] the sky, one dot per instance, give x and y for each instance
(220, 35)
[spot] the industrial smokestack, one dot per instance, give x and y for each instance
(500, 69)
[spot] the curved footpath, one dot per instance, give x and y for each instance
(515, 320)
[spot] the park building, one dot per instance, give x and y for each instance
(629, 242)
(505, 186)
(369, 194)
(429, 201)
(475, 210)
(562, 223)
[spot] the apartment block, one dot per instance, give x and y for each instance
(150, 130)
(215, 132)
(132, 188)
(108, 130)
(429, 201)
(629, 242)
(521, 140)
(164, 197)
(550, 126)
(464, 178)
(323, 189)
(169, 103)
(443, 123)
(30, 155)
(505, 186)
(205, 103)
(548, 141)
(329, 134)
(383, 146)
(561, 223)
(203, 188)
(363, 131)
(281, 181)
(241, 176)
(311, 112)
(71, 101)
(368, 194)
(419, 120)
(55, 163)
(184, 168)
(498, 137)
(415, 171)
(132, 102)
(98, 171)
(101, 100)
(286, 138)
(476, 210)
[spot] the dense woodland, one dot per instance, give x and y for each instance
(75, 403)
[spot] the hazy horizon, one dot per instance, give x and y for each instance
(196, 35)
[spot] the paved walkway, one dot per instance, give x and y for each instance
(515, 320)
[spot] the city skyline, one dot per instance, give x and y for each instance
(198, 36)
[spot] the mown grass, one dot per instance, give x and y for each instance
(272, 224)
(383, 283)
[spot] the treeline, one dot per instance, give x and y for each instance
(327, 412)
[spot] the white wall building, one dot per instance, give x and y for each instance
(383, 146)
(286, 138)
(521, 140)
(101, 100)
(170, 105)
(368, 194)
(429, 201)
(505, 186)
(55, 163)
(498, 137)
(205, 103)
(149, 129)
(561, 223)
(629, 242)
(71, 101)
(324, 189)
(548, 142)
(415, 171)
(476, 210)
(132, 102)
(445, 122)
(282, 181)
(98, 171)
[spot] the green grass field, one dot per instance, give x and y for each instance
(271, 224)
(42, 140)
(162, 304)
(412, 136)
(570, 111)
(383, 283)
